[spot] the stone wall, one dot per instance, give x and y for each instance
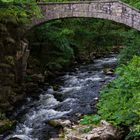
(105, 9)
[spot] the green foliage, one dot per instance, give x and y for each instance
(53, 46)
(21, 10)
(90, 119)
(135, 3)
(120, 100)
(28, 78)
(134, 133)
(58, 43)
(132, 47)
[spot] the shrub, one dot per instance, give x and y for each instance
(120, 100)
(132, 43)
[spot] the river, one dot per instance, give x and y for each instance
(77, 93)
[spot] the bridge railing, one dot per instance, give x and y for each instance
(79, 1)
(76, 2)
(88, 2)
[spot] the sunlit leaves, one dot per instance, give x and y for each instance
(90, 119)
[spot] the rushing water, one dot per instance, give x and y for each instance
(77, 95)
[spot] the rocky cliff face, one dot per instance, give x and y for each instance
(13, 60)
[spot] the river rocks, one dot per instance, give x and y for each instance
(109, 71)
(60, 123)
(31, 89)
(15, 139)
(105, 131)
(58, 95)
(39, 78)
(5, 125)
(74, 138)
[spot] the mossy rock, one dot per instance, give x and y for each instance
(59, 96)
(7, 79)
(5, 69)
(5, 107)
(3, 28)
(5, 93)
(15, 138)
(10, 21)
(5, 66)
(9, 46)
(9, 40)
(5, 125)
(10, 60)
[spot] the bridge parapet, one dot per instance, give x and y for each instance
(105, 9)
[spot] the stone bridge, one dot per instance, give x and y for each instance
(104, 9)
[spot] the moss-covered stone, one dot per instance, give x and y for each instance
(10, 60)
(3, 28)
(5, 66)
(7, 79)
(5, 125)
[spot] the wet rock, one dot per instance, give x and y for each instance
(5, 94)
(39, 78)
(15, 139)
(9, 40)
(5, 125)
(58, 95)
(71, 137)
(31, 87)
(56, 139)
(45, 86)
(6, 107)
(9, 46)
(109, 71)
(60, 123)
(17, 99)
(93, 137)
(3, 28)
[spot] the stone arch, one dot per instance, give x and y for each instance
(104, 9)
(113, 10)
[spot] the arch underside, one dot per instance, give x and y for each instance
(114, 11)
(130, 24)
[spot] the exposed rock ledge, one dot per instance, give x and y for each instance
(105, 131)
